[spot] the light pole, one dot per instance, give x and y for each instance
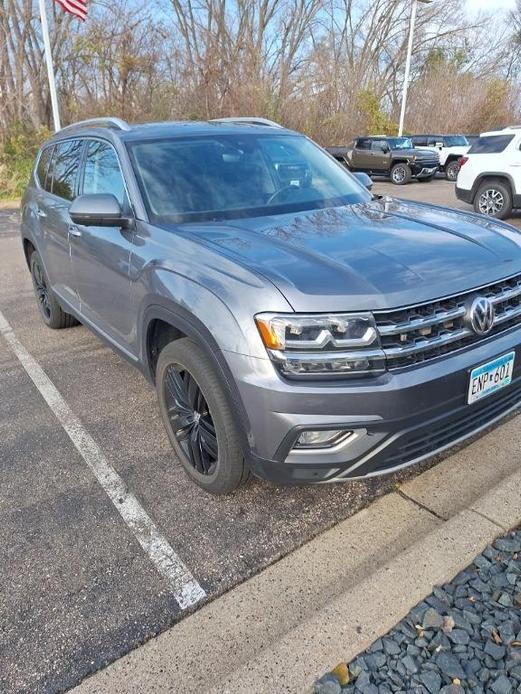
(408, 62)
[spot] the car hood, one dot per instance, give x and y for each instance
(385, 253)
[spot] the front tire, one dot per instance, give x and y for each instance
(401, 174)
(50, 310)
(494, 199)
(198, 418)
(452, 170)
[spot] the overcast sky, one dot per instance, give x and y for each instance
(490, 4)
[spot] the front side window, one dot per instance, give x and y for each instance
(218, 177)
(400, 142)
(455, 141)
(491, 144)
(42, 168)
(102, 171)
(65, 163)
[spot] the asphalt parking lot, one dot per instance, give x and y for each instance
(78, 589)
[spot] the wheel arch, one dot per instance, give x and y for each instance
(162, 324)
(493, 176)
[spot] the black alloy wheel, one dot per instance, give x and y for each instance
(190, 419)
(41, 289)
(202, 426)
(50, 310)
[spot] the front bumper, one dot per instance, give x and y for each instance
(420, 171)
(398, 418)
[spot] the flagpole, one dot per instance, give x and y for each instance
(50, 69)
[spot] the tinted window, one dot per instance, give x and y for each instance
(455, 141)
(43, 165)
(230, 176)
(379, 145)
(491, 144)
(65, 164)
(419, 141)
(102, 172)
(363, 143)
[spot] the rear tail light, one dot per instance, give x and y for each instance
(462, 160)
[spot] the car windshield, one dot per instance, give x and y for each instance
(220, 177)
(456, 141)
(400, 143)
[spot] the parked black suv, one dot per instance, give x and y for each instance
(293, 324)
(388, 156)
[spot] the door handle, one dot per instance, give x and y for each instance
(41, 214)
(73, 230)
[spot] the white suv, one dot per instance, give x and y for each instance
(450, 149)
(490, 175)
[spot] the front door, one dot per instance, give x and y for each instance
(380, 155)
(101, 255)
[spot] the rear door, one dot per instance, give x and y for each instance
(101, 255)
(54, 199)
(361, 155)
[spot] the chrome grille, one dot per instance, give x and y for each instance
(419, 333)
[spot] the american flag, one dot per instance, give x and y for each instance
(76, 7)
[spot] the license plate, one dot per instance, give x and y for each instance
(491, 377)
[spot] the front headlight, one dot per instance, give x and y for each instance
(336, 344)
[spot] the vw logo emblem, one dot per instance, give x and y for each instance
(481, 315)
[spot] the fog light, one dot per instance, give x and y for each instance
(323, 438)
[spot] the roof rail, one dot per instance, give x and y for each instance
(247, 120)
(108, 122)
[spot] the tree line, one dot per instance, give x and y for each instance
(330, 68)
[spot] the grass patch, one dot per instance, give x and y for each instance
(18, 149)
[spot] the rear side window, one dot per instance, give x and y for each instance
(420, 141)
(102, 171)
(491, 144)
(43, 166)
(65, 164)
(363, 143)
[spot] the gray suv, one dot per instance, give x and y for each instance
(294, 324)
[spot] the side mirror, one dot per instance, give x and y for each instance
(98, 210)
(364, 179)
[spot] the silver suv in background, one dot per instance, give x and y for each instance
(293, 324)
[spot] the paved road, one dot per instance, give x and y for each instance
(77, 588)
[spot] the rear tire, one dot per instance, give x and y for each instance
(198, 418)
(494, 199)
(452, 170)
(401, 174)
(50, 310)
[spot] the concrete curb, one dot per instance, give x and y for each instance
(334, 596)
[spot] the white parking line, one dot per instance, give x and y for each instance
(185, 588)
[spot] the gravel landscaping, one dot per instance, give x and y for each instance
(465, 637)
